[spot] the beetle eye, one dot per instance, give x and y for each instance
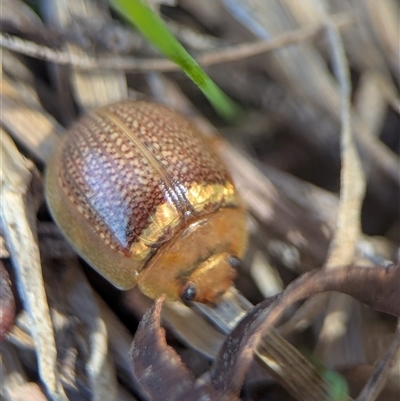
(189, 292)
(234, 262)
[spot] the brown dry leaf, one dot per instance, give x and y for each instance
(158, 368)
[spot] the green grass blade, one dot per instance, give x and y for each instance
(339, 389)
(155, 30)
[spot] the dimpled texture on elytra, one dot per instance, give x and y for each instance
(123, 161)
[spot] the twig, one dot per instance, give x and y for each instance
(131, 64)
(352, 184)
(348, 230)
(352, 189)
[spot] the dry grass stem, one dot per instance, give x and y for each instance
(18, 230)
(227, 54)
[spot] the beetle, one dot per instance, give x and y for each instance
(142, 197)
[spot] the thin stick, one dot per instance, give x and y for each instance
(131, 64)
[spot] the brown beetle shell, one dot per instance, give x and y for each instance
(133, 185)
